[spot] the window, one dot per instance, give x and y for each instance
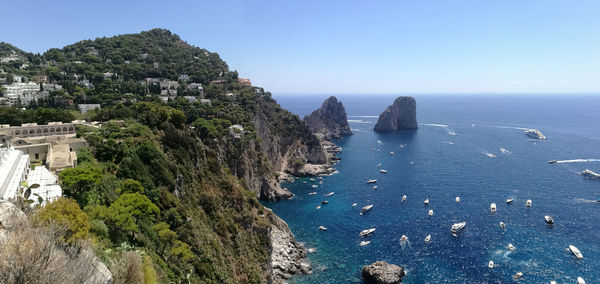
(37, 156)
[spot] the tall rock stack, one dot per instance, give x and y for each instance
(330, 120)
(401, 115)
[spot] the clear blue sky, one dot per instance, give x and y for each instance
(419, 46)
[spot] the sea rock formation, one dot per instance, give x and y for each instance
(288, 257)
(401, 115)
(330, 121)
(382, 272)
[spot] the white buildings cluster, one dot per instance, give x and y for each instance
(26, 92)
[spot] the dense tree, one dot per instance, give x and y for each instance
(129, 209)
(66, 214)
(81, 183)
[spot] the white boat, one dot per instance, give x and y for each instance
(329, 194)
(379, 142)
(457, 199)
(367, 208)
(549, 219)
(366, 232)
(511, 247)
(491, 264)
(426, 201)
(509, 201)
(402, 145)
(493, 207)
(315, 185)
(312, 179)
(502, 225)
(403, 197)
(580, 280)
(518, 275)
(411, 163)
(430, 212)
(378, 150)
(322, 228)
(452, 133)
(374, 187)
(535, 134)
(379, 165)
(364, 243)
(312, 193)
(489, 155)
(318, 207)
(552, 282)
(372, 181)
(304, 182)
(528, 203)
(324, 202)
(457, 228)
(590, 174)
(505, 151)
(576, 251)
(428, 238)
(383, 171)
(391, 153)
(404, 238)
(354, 204)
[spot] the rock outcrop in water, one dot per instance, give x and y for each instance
(330, 121)
(401, 115)
(382, 272)
(288, 257)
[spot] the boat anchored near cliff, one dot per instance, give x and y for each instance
(366, 208)
(576, 252)
(366, 232)
(372, 181)
(535, 134)
(458, 228)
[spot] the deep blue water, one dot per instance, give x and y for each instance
(441, 171)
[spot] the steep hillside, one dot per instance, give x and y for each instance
(177, 182)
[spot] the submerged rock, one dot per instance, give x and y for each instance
(401, 115)
(330, 120)
(382, 272)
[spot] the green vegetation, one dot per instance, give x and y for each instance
(158, 189)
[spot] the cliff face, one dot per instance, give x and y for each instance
(401, 115)
(330, 120)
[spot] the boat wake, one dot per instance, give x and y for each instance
(577, 161)
(504, 151)
(358, 121)
(581, 200)
(435, 124)
(499, 126)
(358, 130)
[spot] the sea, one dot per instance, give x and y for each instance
(456, 152)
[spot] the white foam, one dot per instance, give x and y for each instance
(435, 124)
(500, 126)
(358, 121)
(364, 116)
(578, 161)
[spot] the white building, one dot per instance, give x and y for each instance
(48, 189)
(24, 92)
(14, 167)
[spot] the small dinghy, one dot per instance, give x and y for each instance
(315, 185)
(364, 243)
(502, 225)
(430, 212)
(457, 199)
(318, 207)
(549, 220)
(374, 187)
(426, 201)
(580, 280)
(366, 208)
(491, 264)
(493, 207)
(372, 181)
(324, 202)
(354, 204)
(383, 171)
(511, 247)
(403, 197)
(312, 193)
(428, 238)
(528, 203)
(328, 194)
(391, 153)
(322, 228)
(509, 201)
(518, 275)
(404, 238)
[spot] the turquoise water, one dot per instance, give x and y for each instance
(445, 166)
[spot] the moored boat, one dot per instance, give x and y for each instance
(383, 171)
(364, 243)
(457, 228)
(493, 207)
(403, 197)
(511, 247)
(590, 174)
(580, 280)
(428, 238)
(491, 264)
(457, 199)
(430, 212)
(324, 202)
(549, 219)
(329, 194)
(502, 225)
(367, 208)
(528, 203)
(372, 181)
(575, 251)
(322, 228)
(518, 275)
(404, 238)
(426, 201)
(354, 204)
(312, 193)
(509, 201)
(366, 232)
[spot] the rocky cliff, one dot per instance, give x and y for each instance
(401, 115)
(329, 121)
